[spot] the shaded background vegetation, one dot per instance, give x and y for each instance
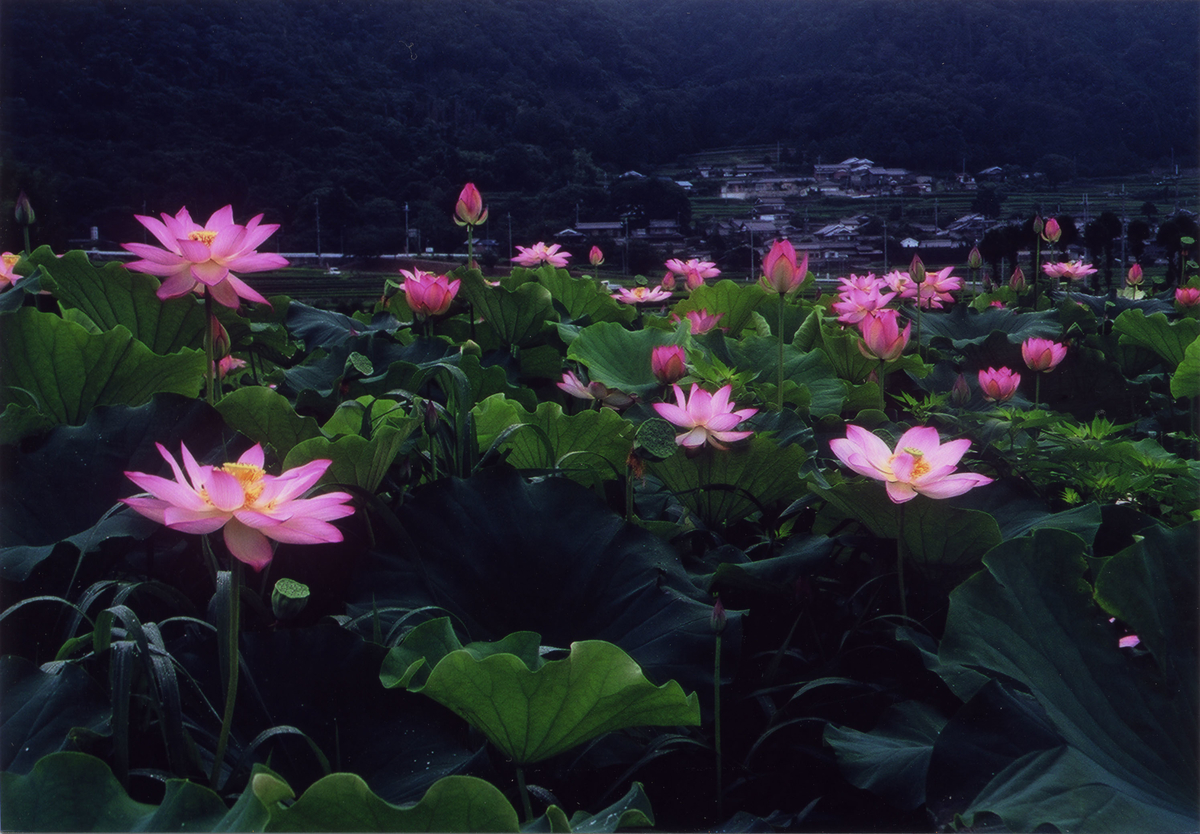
(115, 108)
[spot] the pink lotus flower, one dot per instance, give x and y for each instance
(1042, 354)
(921, 463)
(668, 281)
(1134, 278)
(428, 294)
(936, 289)
(701, 321)
(7, 277)
(854, 305)
(882, 337)
(960, 392)
(669, 363)
(1017, 281)
(540, 253)
(708, 418)
(1051, 232)
(998, 385)
(598, 391)
(901, 283)
(228, 364)
(1069, 270)
(1187, 296)
(694, 272)
(866, 283)
(781, 273)
(203, 258)
(641, 295)
(469, 210)
(249, 504)
(595, 257)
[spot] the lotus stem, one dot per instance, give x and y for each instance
(27, 249)
(210, 368)
(779, 388)
(1037, 390)
(526, 805)
(235, 602)
(717, 724)
(900, 564)
(882, 380)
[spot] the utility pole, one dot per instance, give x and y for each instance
(406, 232)
(510, 246)
(318, 231)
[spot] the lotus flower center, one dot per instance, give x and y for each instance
(920, 465)
(249, 476)
(203, 235)
(10, 259)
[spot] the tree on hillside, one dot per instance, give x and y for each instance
(1057, 168)
(1170, 237)
(988, 199)
(1137, 233)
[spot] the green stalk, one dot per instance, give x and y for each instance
(1037, 389)
(210, 371)
(27, 249)
(629, 492)
(900, 565)
(717, 724)
(779, 389)
(882, 381)
(526, 805)
(235, 604)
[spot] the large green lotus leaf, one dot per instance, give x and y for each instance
(357, 461)
(801, 556)
(41, 708)
(514, 314)
(737, 301)
(1128, 758)
(1017, 513)
(1185, 382)
(1169, 339)
(501, 555)
(584, 297)
(963, 326)
(324, 374)
(67, 371)
(323, 328)
(891, 760)
(937, 533)
(619, 357)
(266, 416)
(409, 662)
(533, 715)
(77, 792)
(587, 447)
(719, 485)
(114, 296)
(43, 500)
(344, 802)
(811, 370)
(841, 348)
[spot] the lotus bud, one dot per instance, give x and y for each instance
(988, 285)
(974, 259)
(668, 281)
(24, 211)
(960, 393)
(1038, 224)
(289, 598)
(916, 270)
(1017, 281)
(1187, 297)
(717, 619)
(431, 416)
(220, 339)
(1134, 278)
(668, 363)
(1052, 232)
(596, 257)
(469, 210)
(470, 348)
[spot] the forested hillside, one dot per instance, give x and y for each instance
(114, 108)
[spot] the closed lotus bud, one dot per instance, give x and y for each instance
(289, 598)
(431, 416)
(974, 259)
(470, 348)
(668, 362)
(1134, 278)
(717, 619)
(24, 211)
(1017, 281)
(916, 270)
(987, 282)
(596, 257)
(668, 281)
(1038, 224)
(469, 210)
(1052, 232)
(220, 339)
(960, 393)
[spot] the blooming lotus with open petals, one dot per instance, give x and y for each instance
(920, 463)
(428, 294)
(998, 384)
(854, 305)
(708, 418)
(641, 295)
(781, 272)
(882, 337)
(610, 397)
(866, 283)
(7, 277)
(936, 289)
(540, 253)
(694, 271)
(204, 258)
(252, 506)
(901, 283)
(668, 362)
(469, 210)
(1042, 354)
(1187, 297)
(1069, 270)
(702, 321)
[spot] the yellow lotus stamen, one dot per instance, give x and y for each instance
(249, 476)
(920, 465)
(10, 259)
(203, 235)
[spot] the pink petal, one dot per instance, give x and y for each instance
(209, 272)
(151, 508)
(253, 456)
(247, 545)
(179, 283)
(900, 492)
(197, 473)
(673, 414)
(224, 294)
(257, 262)
(953, 485)
(193, 521)
(225, 491)
(241, 288)
(172, 492)
(220, 218)
(304, 531)
(160, 231)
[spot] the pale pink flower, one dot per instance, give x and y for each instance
(641, 295)
(936, 289)
(228, 364)
(694, 271)
(854, 305)
(595, 257)
(204, 258)
(901, 283)
(598, 391)
(7, 277)
(1187, 296)
(701, 320)
(708, 418)
(998, 385)
(921, 463)
(781, 273)
(428, 294)
(866, 283)
(882, 337)
(252, 506)
(469, 210)
(1070, 270)
(540, 253)
(669, 363)
(1042, 354)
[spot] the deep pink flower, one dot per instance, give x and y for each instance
(669, 363)
(854, 305)
(694, 271)
(1017, 281)
(641, 295)
(595, 257)
(936, 289)
(1051, 232)
(901, 283)
(1187, 296)
(1134, 278)
(1042, 354)
(428, 294)
(606, 396)
(204, 258)
(998, 385)
(249, 504)
(921, 463)
(668, 281)
(708, 418)
(701, 321)
(540, 253)
(7, 277)
(1070, 270)
(228, 364)
(469, 210)
(882, 337)
(781, 273)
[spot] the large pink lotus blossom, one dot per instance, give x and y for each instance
(641, 295)
(1042, 354)
(901, 283)
(998, 384)
(540, 253)
(252, 506)
(1187, 297)
(598, 391)
(469, 210)
(921, 463)
(428, 294)
(204, 258)
(882, 337)
(781, 272)
(1069, 270)
(854, 305)
(708, 418)
(866, 283)
(937, 289)
(694, 272)
(7, 277)
(669, 363)
(702, 321)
